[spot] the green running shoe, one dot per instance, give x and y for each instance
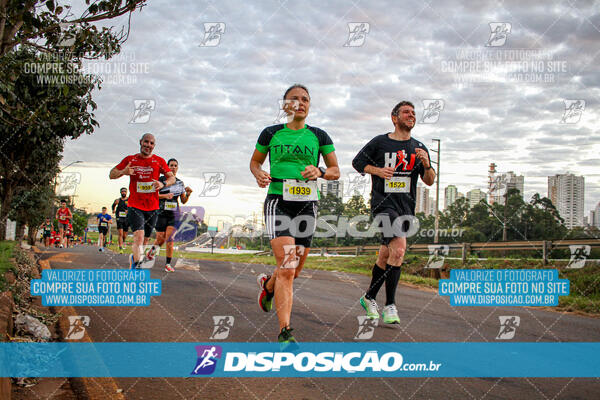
(370, 307)
(390, 315)
(286, 340)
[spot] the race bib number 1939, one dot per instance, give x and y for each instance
(397, 184)
(294, 190)
(145, 187)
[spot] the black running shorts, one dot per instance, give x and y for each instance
(297, 219)
(393, 225)
(139, 220)
(122, 223)
(165, 219)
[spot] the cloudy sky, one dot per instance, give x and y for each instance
(503, 94)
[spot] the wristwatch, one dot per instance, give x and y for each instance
(323, 170)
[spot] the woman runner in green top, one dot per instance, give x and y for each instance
(291, 204)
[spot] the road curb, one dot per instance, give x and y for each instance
(92, 388)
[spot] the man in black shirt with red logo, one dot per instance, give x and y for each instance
(395, 161)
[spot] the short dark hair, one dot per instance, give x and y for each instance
(294, 86)
(172, 159)
(104, 208)
(123, 188)
(396, 108)
(63, 201)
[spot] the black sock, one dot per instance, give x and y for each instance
(169, 260)
(376, 282)
(391, 283)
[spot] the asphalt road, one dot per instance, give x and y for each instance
(325, 309)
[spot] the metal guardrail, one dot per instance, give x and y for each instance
(545, 246)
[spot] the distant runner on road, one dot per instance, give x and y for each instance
(64, 215)
(69, 235)
(119, 209)
(143, 169)
(169, 203)
(395, 161)
(104, 221)
(47, 228)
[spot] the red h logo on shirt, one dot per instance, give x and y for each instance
(401, 160)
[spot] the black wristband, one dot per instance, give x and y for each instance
(323, 170)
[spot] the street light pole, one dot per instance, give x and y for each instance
(437, 192)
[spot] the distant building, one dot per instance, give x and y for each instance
(500, 184)
(422, 200)
(475, 196)
(595, 216)
(567, 193)
(431, 206)
(450, 196)
(334, 187)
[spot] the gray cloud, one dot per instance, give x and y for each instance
(212, 102)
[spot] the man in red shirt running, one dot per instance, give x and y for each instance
(64, 215)
(143, 169)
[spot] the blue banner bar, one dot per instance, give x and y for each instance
(339, 359)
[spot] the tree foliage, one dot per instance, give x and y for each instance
(52, 27)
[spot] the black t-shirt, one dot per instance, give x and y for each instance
(121, 207)
(381, 152)
(170, 205)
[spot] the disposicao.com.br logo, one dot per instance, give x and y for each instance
(305, 363)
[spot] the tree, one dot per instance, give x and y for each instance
(329, 205)
(356, 206)
(50, 27)
(456, 214)
(43, 117)
(79, 222)
(31, 208)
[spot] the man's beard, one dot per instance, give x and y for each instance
(404, 127)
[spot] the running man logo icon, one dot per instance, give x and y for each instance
(207, 359)
(366, 327)
(431, 110)
(357, 33)
(437, 255)
(212, 34)
(212, 184)
(508, 327)
(357, 184)
(148, 254)
(67, 35)
(187, 227)
(497, 187)
(579, 254)
(77, 324)
(292, 254)
(223, 325)
(67, 183)
(499, 34)
(287, 110)
(142, 110)
(573, 111)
